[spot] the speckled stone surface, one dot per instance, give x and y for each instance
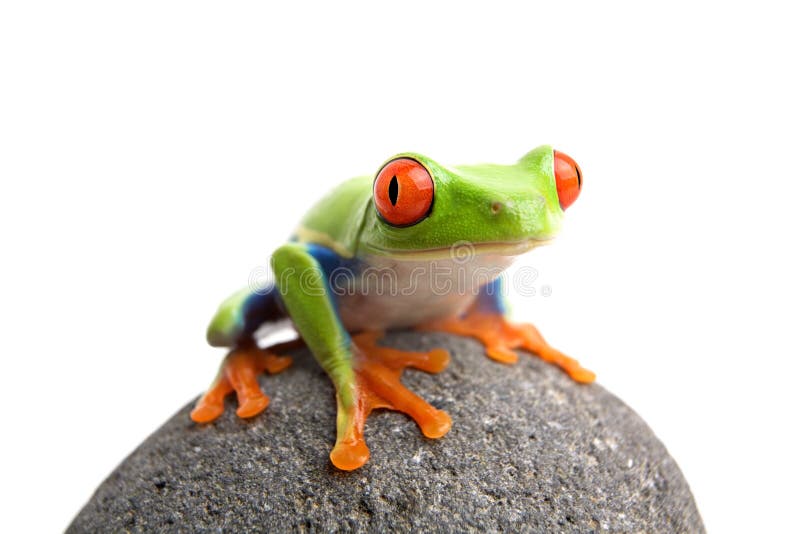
(529, 451)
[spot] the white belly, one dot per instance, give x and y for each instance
(393, 293)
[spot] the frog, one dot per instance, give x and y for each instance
(417, 245)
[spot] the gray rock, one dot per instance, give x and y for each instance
(529, 451)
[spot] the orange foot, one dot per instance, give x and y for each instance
(500, 337)
(377, 385)
(239, 372)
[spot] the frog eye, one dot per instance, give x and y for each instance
(568, 178)
(403, 192)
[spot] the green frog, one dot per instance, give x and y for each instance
(417, 245)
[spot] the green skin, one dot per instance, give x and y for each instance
(464, 196)
(502, 209)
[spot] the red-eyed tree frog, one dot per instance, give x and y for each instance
(418, 245)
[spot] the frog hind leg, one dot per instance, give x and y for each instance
(239, 373)
(486, 321)
(233, 326)
(377, 385)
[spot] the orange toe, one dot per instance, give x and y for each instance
(377, 385)
(348, 456)
(584, 376)
(273, 363)
(206, 412)
(212, 404)
(239, 373)
(436, 425)
(252, 406)
(500, 337)
(502, 354)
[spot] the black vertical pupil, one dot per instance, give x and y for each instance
(394, 189)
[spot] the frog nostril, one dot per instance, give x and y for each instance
(496, 207)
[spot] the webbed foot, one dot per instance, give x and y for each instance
(377, 385)
(501, 336)
(239, 372)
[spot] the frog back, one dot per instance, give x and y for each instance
(337, 219)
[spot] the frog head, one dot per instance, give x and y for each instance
(421, 208)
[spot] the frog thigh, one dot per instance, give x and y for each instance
(241, 314)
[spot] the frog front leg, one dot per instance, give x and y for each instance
(365, 376)
(486, 321)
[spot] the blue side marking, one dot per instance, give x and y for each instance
(259, 308)
(490, 297)
(336, 269)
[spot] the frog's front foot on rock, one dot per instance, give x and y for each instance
(377, 384)
(239, 372)
(501, 337)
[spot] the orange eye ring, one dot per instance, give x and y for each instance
(569, 179)
(403, 192)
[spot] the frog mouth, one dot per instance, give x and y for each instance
(462, 251)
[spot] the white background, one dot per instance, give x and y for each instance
(152, 154)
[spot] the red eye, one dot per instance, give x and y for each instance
(568, 178)
(403, 192)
